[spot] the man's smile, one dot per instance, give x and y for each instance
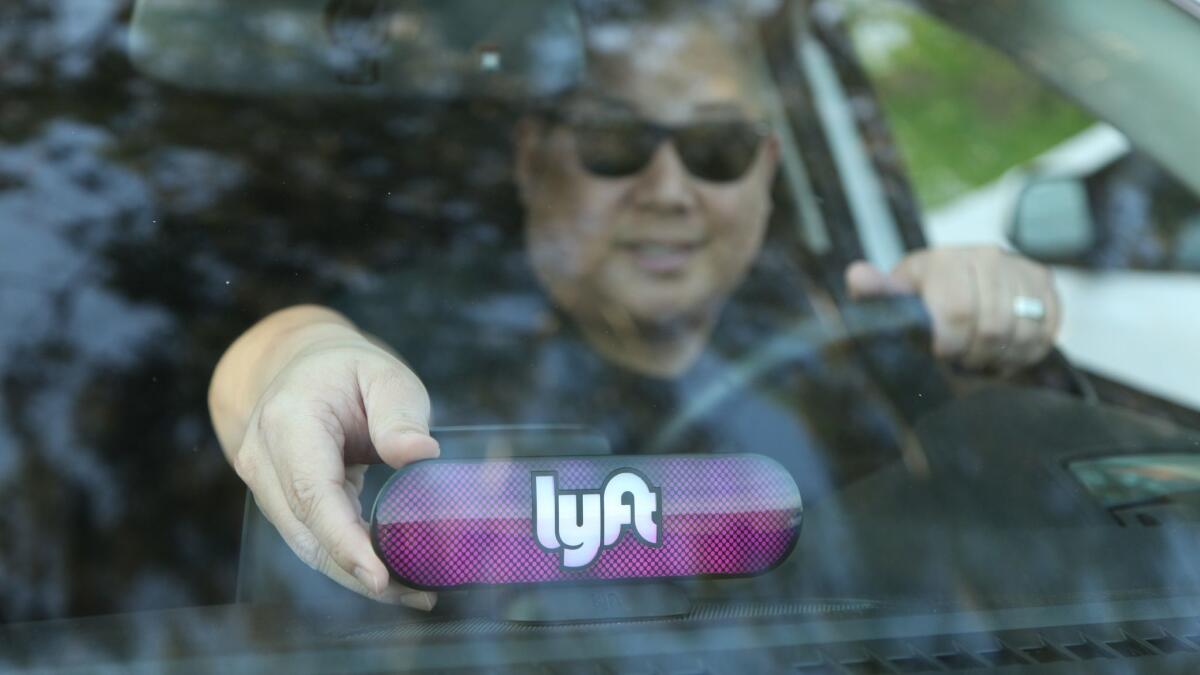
(662, 256)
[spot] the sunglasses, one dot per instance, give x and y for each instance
(718, 151)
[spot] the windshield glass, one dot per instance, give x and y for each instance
(391, 335)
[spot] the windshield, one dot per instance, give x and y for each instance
(399, 336)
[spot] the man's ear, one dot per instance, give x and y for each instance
(527, 139)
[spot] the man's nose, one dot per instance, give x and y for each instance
(665, 185)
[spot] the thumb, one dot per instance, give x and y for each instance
(397, 408)
(864, 280)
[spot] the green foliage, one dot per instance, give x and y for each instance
(962, 113)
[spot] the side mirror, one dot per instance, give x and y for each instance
(1053, 221)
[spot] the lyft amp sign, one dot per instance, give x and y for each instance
(459, 523)
(579, 524)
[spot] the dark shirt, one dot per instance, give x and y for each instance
(492, 350)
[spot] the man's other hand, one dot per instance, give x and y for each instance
(991, 309)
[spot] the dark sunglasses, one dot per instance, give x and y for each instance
(719, 151)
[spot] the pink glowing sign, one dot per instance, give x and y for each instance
(453, 523)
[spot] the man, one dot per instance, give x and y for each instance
(647, 197)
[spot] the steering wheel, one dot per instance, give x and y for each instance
(892, 337)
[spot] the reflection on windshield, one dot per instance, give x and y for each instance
(623, 256)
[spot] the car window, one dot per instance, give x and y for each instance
(987, 116)
(151, 215)
(708, 392)
(993, 119)
(1011, 149)
(1145, 218)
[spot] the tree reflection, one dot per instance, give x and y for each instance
(142, 228)
(146, 226)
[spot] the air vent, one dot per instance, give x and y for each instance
(1085, 643)
(975, 652)
(1155, 514)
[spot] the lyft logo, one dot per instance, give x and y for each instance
(580, 523)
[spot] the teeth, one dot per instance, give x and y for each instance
(660, 249)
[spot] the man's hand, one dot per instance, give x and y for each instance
(302, 403)
(984, 303)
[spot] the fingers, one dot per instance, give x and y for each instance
(1051, 324)
(914, 269)
(969, 293)
(303, 487)
(864, 280)
(315, 494)
(1031, 340)
(952, 300)
(1035, 338)
(306, 460)
(272, 502)
(397, 408)
(995, 323)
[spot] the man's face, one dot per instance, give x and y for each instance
(664, 239)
